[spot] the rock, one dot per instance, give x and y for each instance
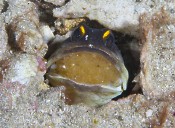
(127, 112)
(19, 8)
(118, 15)
(3, 38)
(23, 29)
(158, 55)
(65, 25)
(1, 5)
(50, 110)
(23, 68)
(21, 83)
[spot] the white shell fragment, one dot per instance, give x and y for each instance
(149, 113)
(47, 33)
(22, 69)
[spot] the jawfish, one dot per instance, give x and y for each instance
(90, 66)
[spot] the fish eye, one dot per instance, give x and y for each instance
(108, 38)
(78, 33)
(106, 34)
(82, 30)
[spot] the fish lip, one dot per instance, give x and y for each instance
(92, 87)
(67, 48)
(85, 46)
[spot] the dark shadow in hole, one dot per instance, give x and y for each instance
(94, 24)
(45, 11)
(5, 7)
(129, 47)
(51, 49)
(66, 1)
(11, 38)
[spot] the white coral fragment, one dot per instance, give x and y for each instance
(47, 33)
(149, 113)
(22, 68)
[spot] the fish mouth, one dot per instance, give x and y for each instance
(92, 74)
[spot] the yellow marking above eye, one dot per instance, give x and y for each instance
(106, 34)
(82, 29)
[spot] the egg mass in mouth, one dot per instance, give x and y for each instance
(86, 67)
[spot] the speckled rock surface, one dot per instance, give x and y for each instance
(27, 101)
(3, 38)
(106, 12)
(49, 110)
(23, 29)
(118, 15)
(18, 8)
(158, 55)
(1, 5)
